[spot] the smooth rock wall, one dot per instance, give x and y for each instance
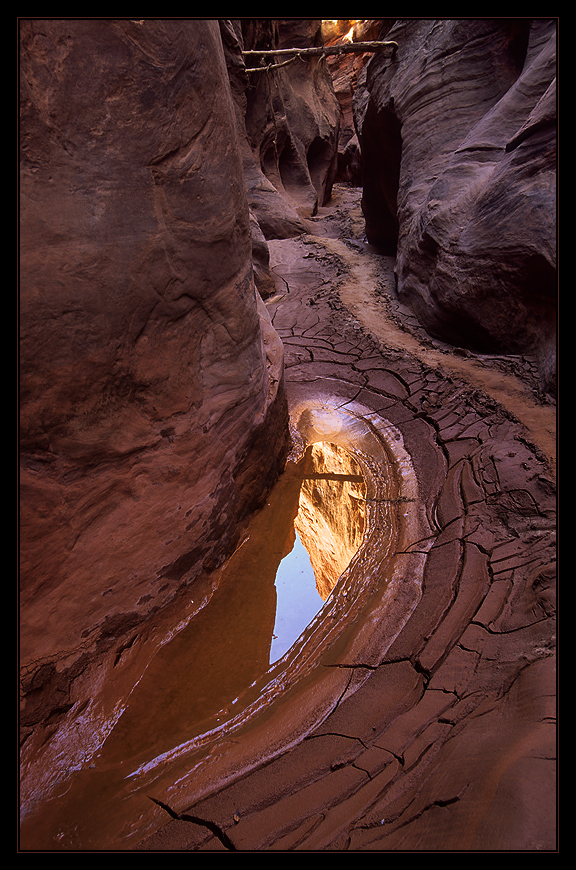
(153, 415)
(458, 139)
(292, 119)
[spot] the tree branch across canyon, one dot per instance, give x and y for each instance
(322, 51)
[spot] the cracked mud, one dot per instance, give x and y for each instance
(443, 735)
(417, 711)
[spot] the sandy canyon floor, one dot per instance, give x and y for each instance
(444, 738)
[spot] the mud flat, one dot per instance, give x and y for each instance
(434, 727)
(417, 710)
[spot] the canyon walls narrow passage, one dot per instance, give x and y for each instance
(222, 347)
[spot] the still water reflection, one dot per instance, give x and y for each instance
(199, 681)
(297, 599)
(267, 596)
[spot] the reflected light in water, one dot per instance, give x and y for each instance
(298, 600)
(267, 595)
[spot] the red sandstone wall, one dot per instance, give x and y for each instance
(153, 418)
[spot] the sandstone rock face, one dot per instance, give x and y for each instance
(270, 212)
(458, 147)
(153, 414)
(345, 71)
(288, 124)
(292, 123)
(331, 514)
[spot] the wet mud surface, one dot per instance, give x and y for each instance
(417, 711)
(442, 736)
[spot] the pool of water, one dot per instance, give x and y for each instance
(258, 665)
(297, 599)
(267, 596)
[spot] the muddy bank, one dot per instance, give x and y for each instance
(368, 292)
(443, 738)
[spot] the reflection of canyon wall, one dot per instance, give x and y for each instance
(331, 514)
(458, 143)
(153, 415)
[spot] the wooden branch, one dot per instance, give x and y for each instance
(272, 65)
(344, 48)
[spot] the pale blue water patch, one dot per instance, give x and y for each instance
(298, 600)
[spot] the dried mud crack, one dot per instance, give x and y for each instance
(220, 835)
(443, 737)
(416, 712)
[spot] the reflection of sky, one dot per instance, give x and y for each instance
(298, 599)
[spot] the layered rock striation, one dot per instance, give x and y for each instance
(458, 139)
(288, 119)
(153, 415)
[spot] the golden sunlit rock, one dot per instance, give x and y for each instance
(330, 519)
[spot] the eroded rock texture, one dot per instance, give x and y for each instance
(153, 415)
(345, 70)
(292, 121)
(459, 153)
(288, 125)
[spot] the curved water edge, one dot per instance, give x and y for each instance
(379, 589)
(350, 634)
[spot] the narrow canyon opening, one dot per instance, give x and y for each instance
(288, 438)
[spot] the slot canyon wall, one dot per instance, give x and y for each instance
(156, 176)
(290, 120)
(152, 409)
(458, 143)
